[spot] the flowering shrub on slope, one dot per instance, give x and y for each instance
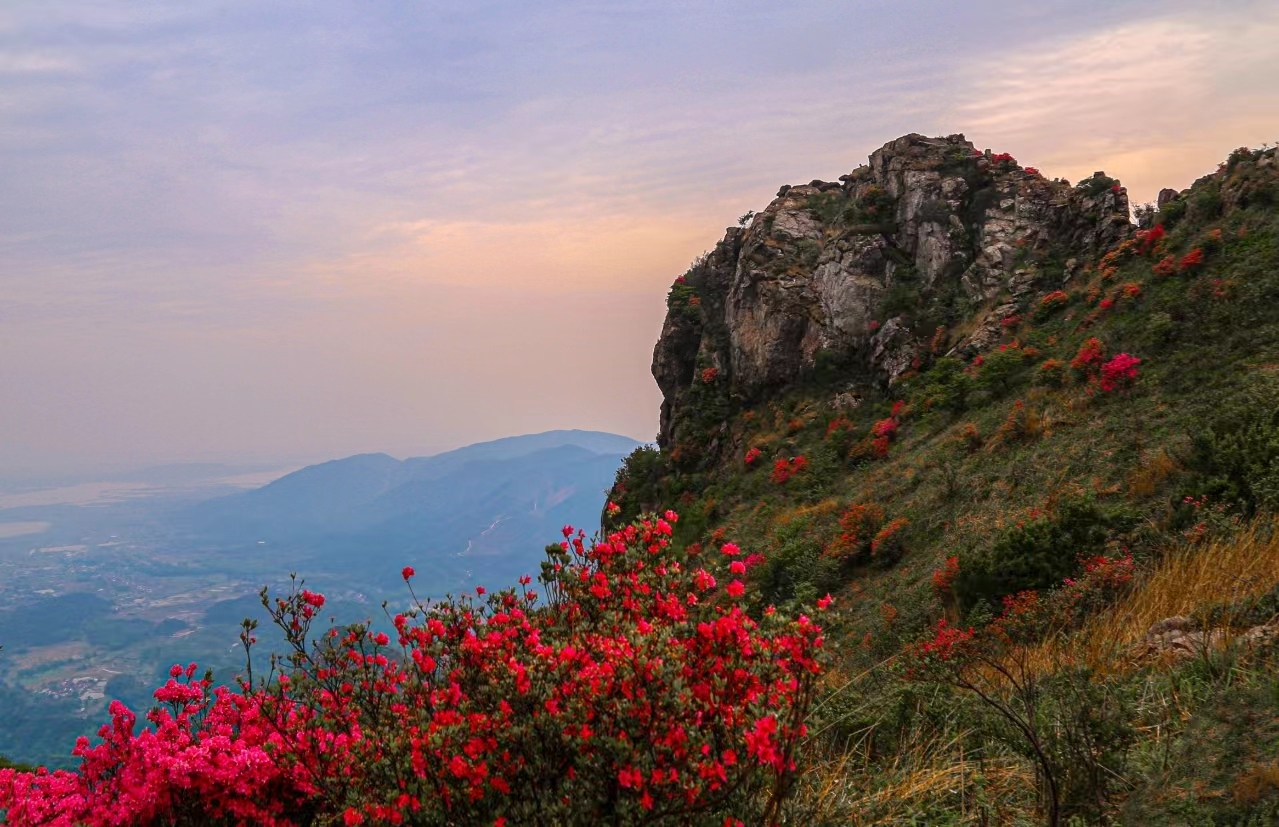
(1119, 373)
(784, 469)
(639, 691)
(992, 661)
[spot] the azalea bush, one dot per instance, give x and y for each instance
(1120, 373)
(858, 526)
(1051, 303)
(1068, 724)
(636, 690)
(784, 469)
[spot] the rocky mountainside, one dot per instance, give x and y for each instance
(933, 234)
(1030, 446)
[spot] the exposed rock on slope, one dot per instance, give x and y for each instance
(861, 273)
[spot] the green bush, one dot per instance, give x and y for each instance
(1206, 204)
(1172, 212)
(1234, 458)
(827, 207)
(638, 485)
(1035, 555)
(1096, 185)
(945, 386)
(1000, 372)
(795, 569)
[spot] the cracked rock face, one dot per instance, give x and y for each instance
(851, 268)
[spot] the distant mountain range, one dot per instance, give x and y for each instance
(482, 513)
(127, 586)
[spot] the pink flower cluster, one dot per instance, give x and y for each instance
(639, 689)
(1119, 373)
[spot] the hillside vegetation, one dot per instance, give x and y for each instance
(1055, 465)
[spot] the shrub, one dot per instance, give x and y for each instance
(999, 371)
(617, 700)
(840, 435)
(1191, 260)
(1022, 423)
(971, 437)
(1051, 373)
(709, 375)
(1074, 730)
(1096, 185)
(1149, 240)
(681, 293)
(886, 427)
(1087, 362)
(887, 546)
(1234, 457)
(884, 431)
(752, 456)
(637, 486)
(1172, 212)
(944, 577)
(785, 469)
(945, 386)
(1120, 373)
(1165, 267)
(858, 526)
(1035, 555)
(1051, 303)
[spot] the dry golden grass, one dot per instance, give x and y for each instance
(1235, 569)
(1147, 477)
(817, 511)
(848, 789)
(1255, 783)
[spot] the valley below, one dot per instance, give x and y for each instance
(105, 585)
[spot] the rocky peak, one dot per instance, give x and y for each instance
(932, 235)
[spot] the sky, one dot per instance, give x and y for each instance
(241, 231)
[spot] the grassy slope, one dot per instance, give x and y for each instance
(888, 750)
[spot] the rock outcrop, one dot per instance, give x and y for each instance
(861, 273)
(1181, 638)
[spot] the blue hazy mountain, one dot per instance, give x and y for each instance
(479, 514)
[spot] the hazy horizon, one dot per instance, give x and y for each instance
(241, 233)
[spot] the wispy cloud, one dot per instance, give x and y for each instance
(1156, 101)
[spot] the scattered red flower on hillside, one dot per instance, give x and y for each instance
(1119, 373)
(1148, 240)
(1192, 259)
(944, 577)
(785, 469)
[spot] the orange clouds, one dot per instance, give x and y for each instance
(1156, 103)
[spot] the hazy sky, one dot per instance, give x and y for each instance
(237, 230)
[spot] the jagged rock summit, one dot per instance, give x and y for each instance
(929, 245)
